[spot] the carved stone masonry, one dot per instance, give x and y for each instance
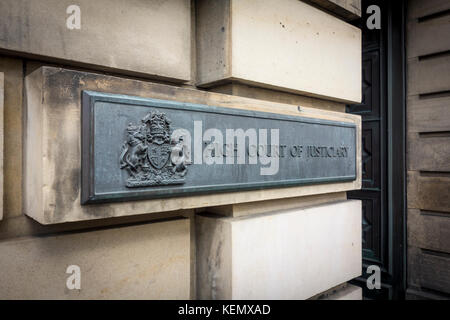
(150, 155)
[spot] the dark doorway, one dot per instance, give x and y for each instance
(383, 150)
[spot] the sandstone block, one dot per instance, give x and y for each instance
(145, 38)
(292, 254)
(285, 45)
(148, 261)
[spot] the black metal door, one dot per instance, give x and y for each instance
(379, 222)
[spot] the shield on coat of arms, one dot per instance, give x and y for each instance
(158, 155)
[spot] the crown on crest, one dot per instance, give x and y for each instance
(158, 123)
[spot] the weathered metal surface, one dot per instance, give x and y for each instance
(138, 148)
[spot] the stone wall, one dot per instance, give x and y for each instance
(428, 144)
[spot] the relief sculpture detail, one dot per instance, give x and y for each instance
(150, 155)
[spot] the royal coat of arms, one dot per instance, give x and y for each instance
(147, 153)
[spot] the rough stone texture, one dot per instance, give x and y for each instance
(149, 261)
(346, 9)
(13, 133)
(146, 38)
(2, 97)
(24, 226)
(285, 45)
(242, 90)
(348, 292)
(292, 254)
(428, 149)
(52, 143)
(420, 8)
(249, 208)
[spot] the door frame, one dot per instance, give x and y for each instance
(393, 145)
(396, 156)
